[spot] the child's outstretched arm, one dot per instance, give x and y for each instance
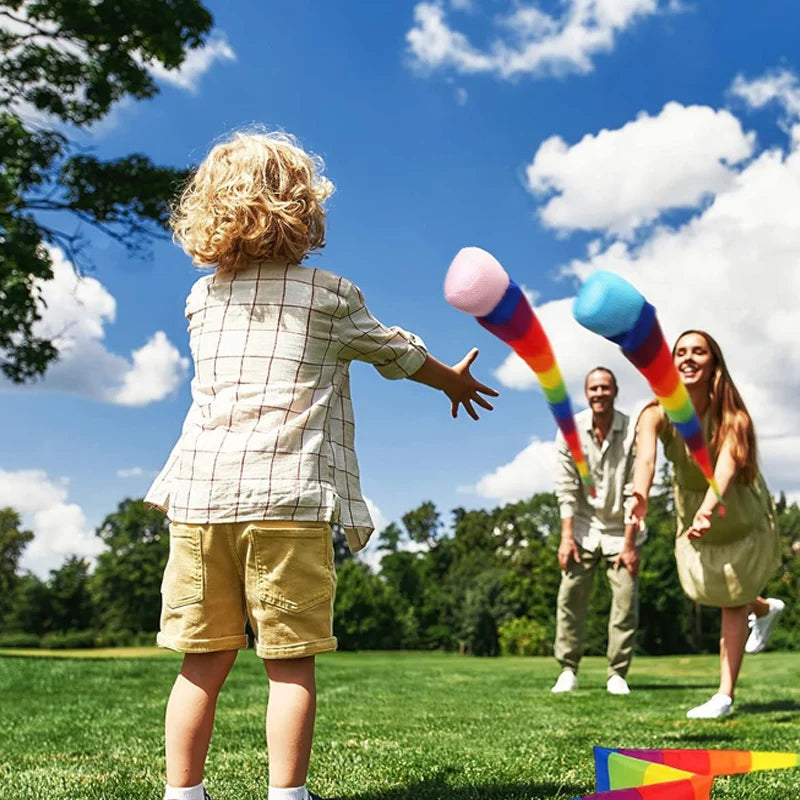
(456, 382)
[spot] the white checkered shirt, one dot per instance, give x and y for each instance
(270, 431)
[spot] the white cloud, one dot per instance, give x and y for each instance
(60, 528)
(529, 41)
(619, 180)
(75, 313)
(378, 517)
(195, 65)
(529, 472)
(780, 462)
(731, 270)
(433, 44)
(461, 96)
(158, 369)
(135, 472)
(371, 554)
(780, 86)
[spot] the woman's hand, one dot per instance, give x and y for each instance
(701, 524)
(635, 509)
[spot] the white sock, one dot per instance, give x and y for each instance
(184, 793)
(296, 793)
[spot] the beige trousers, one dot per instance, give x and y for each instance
(573, 604)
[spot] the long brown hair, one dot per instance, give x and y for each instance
(730, 419)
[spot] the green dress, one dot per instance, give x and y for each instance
(731, 563)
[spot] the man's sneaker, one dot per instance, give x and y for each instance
(761, 627)
(616, 684)
(720, 705)
(567, 682)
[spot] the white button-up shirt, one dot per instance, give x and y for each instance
(270, 433)
(598, 521)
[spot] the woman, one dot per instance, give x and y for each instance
(723, 561)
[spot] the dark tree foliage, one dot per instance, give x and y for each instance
(70, 603)
(65, 64)
(365, 611)
(390, 537)
(786, 583)
(13, 542)
(28, 607)
(126, 584)
(423, 523)
(488, 586)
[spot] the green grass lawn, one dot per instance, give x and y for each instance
(390, 726)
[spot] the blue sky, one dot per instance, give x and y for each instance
(656, 139)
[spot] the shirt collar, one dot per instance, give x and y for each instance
(616, 422)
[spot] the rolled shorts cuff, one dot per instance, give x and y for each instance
(202, 645)
(297, 650)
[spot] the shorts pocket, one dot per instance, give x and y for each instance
(294, 568)
(184, 579)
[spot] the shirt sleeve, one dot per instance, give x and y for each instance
(568, 479)
(395, 353)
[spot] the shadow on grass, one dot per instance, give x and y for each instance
(774, 705)
(710, 740)
(635, 686)
(437, 788)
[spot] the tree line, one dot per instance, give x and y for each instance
(486, 585)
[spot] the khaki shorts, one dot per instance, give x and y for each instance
(279, 575)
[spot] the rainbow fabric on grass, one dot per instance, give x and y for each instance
(476, 280)
(611, 307)
(710, 762)
(623, 774)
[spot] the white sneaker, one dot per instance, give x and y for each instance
(720, 705)
(761, 627)
(567, 682)
(616, 684)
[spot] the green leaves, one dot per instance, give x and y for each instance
(75, 58)
(68, 62)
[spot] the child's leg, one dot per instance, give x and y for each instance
(731, 647)
(190, 714)
(290, 719)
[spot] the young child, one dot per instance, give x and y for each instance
(265, 464)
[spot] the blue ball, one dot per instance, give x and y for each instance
(607, 304)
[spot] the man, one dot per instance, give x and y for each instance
(593, 532)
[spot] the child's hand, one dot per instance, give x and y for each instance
(464, 389)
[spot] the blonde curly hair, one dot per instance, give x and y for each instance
(257, 196)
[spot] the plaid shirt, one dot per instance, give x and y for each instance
(270, 433)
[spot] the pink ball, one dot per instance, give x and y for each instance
(475, 282)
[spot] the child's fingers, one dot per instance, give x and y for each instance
(470, 410)
(481, 387)
(454, 409)
(470, 357)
